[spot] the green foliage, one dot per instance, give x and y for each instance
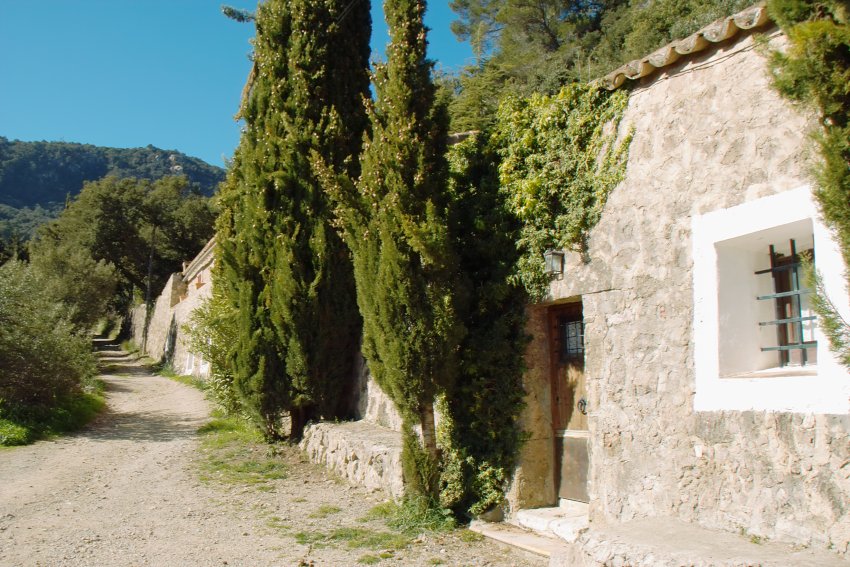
(539, 46)
(354, 538)
(47, 173)
(413, 515)
(326, 510)
(476, 96)
(38, 178)
(43, 361)
(561, 159)
(12, 434)
(283, 268)
(431, 251)
(835, 327)
(21, 426)
(235, 453)
(789, 13)
(17, 225)
(420, 465)
(393, 220)
(479, 430)
(477, 23)
(241, 16)
(212, 332)
(72, 277)
(126, 224)
(815, 70)
(638, 30)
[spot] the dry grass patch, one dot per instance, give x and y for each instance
(235, 453)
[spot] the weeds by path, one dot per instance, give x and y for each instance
(321, 515)
(74, 412)
(233, 452)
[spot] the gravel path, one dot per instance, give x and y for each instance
(126, 492)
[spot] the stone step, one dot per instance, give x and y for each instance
(509, 534)
(566, 521)
(666, 542)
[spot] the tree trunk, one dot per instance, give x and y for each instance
(429, 430)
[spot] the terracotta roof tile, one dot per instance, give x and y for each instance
(753, 17)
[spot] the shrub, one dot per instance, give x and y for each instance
(42, 360)
(212, 332)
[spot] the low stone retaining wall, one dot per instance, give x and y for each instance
(363, 453)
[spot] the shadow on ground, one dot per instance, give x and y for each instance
(116, 362)
(142, 426)
(139, 425)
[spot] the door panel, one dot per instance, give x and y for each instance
(573, 481)
(571, 390)
(569, 400)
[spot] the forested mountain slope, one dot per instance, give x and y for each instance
(40, 173)
(36, 178)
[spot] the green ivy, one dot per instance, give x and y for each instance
(815, 71)
(479, 430)
(561, 159)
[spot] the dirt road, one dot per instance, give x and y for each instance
(127, 492)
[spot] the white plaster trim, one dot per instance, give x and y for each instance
(829, 390)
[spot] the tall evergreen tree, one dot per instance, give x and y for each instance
(394, 220)
(282, 265)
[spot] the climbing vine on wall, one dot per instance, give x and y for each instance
(479, 432)
(815, 70)
(560, 160)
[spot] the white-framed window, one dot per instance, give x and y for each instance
(756, 344)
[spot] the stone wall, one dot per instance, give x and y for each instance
(359, 451)
(164, 340)
(372, 405)
(159, 340)
(710, 133)
(367, 451)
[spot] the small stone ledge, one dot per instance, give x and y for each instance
(566, 521)
(524, 540)
(665, 542)
(363, 453)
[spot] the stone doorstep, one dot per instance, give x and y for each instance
(666, 542)
(509, 534)
(566, 521)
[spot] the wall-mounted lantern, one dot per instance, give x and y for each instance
(554, 262)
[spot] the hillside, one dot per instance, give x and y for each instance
(37, 177)
(42, 173)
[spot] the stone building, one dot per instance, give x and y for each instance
(677, 371)
(164, 339)
(678, 387)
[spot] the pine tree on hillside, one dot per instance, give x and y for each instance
(394, 219)
(282, 265)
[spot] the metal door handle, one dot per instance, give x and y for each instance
(582, 406)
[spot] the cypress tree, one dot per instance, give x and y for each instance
(394, 220)
(281, 263)
(480, 433)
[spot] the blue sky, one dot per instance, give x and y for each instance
(129, 73)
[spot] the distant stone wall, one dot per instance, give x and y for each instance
(710, 133)
(165, 339)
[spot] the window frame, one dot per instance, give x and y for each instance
(821, 388)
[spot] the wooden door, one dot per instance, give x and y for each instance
(569, 401)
